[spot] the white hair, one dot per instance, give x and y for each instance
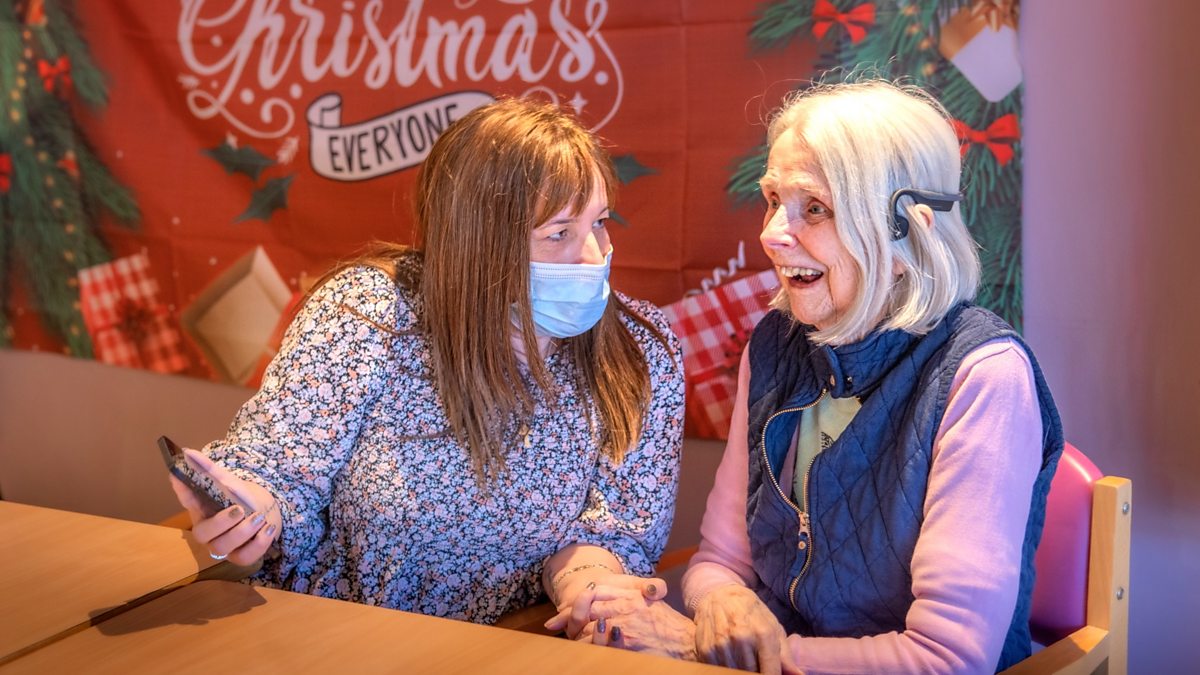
(871, 139)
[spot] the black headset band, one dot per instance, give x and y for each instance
(938, 201)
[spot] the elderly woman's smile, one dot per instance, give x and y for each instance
(804, 275)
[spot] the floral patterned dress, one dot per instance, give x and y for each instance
(379, 502)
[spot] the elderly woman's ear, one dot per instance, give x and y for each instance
(924, 213)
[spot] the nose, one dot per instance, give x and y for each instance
(777, 232)
(595, 248)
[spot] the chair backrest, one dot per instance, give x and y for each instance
(1060, 588)
(1080, 606)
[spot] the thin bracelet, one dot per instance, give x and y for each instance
(554, 584)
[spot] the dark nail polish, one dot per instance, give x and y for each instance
(601, 625)
(615, 636)
(651, 590)
(236, 513)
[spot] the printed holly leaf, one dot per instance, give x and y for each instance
(245, 160)
(629, 169)
(272, 195)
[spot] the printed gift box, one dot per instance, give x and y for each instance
(233, 318)
(128, 326)
(714, 328)
(290, 310)
(981, 41)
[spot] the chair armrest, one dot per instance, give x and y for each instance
(1079, 653)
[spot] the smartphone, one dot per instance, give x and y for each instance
(212, 494)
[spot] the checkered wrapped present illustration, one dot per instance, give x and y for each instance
(127, 324)
(714, 328)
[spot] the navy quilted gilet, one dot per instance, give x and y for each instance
(838, 566)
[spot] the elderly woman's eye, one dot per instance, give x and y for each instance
(818, 209)
(772, 203)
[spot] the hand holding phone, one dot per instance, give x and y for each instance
(214, 495)
(235, 518)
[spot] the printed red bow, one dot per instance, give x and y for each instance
(134, 319)
(5, 172)
(69, 164)
(855, 21)
(49, 71)
(998, 137)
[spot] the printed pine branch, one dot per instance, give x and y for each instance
(10, 47)
(898, 44)
(56, 186)
(743, 184)
(87, 80)
(780, 22)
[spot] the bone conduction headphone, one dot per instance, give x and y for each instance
(938, 201)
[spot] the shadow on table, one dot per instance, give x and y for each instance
(195, 604)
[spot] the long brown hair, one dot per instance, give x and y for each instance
(493, 176)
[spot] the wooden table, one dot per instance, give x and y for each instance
(219, 627)
(62, 572)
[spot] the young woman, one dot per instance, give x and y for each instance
(458, 427)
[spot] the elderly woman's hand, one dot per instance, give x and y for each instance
(735, 629)
(654, 627)
(619, 592)
(630, 614)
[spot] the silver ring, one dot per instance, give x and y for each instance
(214, 556)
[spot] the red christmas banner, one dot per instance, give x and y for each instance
(236, 147)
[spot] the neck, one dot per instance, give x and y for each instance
(545, 344)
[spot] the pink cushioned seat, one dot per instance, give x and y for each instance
(1060, 589)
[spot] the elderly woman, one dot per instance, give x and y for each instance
(460, 428)
(883, 490)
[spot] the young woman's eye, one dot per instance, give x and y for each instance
(601, 223)
(557, 236)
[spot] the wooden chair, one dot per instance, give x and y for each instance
(1081, 593)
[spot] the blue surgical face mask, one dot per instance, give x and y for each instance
(568, 299)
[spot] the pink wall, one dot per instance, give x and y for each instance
(1112, 161)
